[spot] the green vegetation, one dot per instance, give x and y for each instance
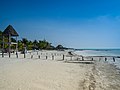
(30, 45)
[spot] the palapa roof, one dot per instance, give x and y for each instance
(10, 30)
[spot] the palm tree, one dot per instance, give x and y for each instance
(20, 45)
(24, 41)
(35, 44)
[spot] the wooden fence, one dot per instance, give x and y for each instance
(60, 56)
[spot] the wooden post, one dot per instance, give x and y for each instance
(9, 44)
(113, 59)
(63, 56)
(3, 46)
(31, 56)
(16, 48)
(39, 56)
(46, 57)
(24, 55)
(2, 52)
(25, 52)
(105, 59)
(82, 58)
(52, 57)
(92, 59)
(17, 55)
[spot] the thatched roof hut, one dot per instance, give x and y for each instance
(10, 31)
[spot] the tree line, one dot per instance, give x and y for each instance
(31, 45)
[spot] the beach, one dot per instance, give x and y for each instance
(47, 74)
(60, 45)
(107, 76)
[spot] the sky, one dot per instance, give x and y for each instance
(72, 23)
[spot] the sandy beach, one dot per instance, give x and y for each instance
(59, 44)
(41, 74)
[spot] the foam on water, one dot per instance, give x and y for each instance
(99, 52)
(102, 52)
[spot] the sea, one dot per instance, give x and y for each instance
(101, 52)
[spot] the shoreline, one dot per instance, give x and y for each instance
(41, 74)
(103, 76)
(107, 76)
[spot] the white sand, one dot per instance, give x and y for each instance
(41, 74)
(38, 74)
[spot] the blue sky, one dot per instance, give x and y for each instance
(72, 23)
